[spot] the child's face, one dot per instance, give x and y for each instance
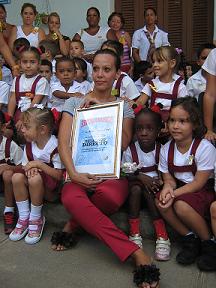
(45, 72)
(65, 72)
(180, 126)
(30, 130)
(203, 56)
(80, 75)
(162, 67)
(148, 75)
(29, 64)
(76, 50)
(146, 131)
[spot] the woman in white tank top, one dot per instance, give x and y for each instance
(93, 36)
(33, 34)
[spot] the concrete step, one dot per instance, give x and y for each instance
(57, 216)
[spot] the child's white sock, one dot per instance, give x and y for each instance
(8, 209)
(23, 208)
(35, 213)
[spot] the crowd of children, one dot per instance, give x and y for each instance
(175, 164)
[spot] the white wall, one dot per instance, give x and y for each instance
(72, 12)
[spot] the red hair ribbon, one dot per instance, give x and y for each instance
(39, 50)
(7, 117)
(56, 114)
(137, 108)
(157, 107)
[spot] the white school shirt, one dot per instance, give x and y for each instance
(128, 88)
(16, 153)
(139, 84)
(4, 92)
(58, 103)
(25, 85)
(93, 42)
(196, 84)
(141, 42)
(33, 37)
(145, 159)
(43, 155)
(7, 75)
(165, 88)
(210, 63)
(205, 158)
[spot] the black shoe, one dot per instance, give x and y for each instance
(207, 260)
(191, 247)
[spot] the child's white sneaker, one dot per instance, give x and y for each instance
(162, 250)
(35, 230)
(20, 230)
(137, 239)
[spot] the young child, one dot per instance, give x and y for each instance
(41, 174)
(66, 87)
(187, 165)
(6, 74)
(81, 74)
(28, 89)
(143, 73)
(19, 45)
(77, 50)
(46, 71)
(49, 50)
(145, 152)
(167, 85)
(10, 159)
(196, 84)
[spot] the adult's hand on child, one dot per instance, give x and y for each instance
(210, 135)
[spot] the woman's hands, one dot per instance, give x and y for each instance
(86, 180)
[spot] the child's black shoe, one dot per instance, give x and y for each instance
(207, 260)
(191, 247)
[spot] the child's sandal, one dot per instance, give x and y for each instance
(146, 274)
(65, 239)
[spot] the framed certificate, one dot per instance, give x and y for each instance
(96, 140)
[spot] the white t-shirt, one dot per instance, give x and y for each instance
(196, 84)
(139, 84)
(4, 92)
(210, 63)
(205, 158)
(25, 85)
(145, 159)
(44, 154)
(141, 42)
(128, 88)
(33, 37)
(165, 88)
(7, 75)
(93, 42)
(16, 153)
(58, 103)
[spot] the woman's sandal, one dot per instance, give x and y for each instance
(64, 239)
(146, 274)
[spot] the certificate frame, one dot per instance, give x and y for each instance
(96, 138)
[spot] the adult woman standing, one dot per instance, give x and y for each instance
(116, 23)
(27, 30)
(93, 36)
(54, 34)
(146, 39)
(6, 27)
(90, 212)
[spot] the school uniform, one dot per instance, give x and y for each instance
(49, 155)
(10, 152)
(196, 84)
(201, 156)
(139, 84)
(4, 93)
(58, 103)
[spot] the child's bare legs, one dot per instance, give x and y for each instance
(170, 216)
(213, 217)
(192, 219)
